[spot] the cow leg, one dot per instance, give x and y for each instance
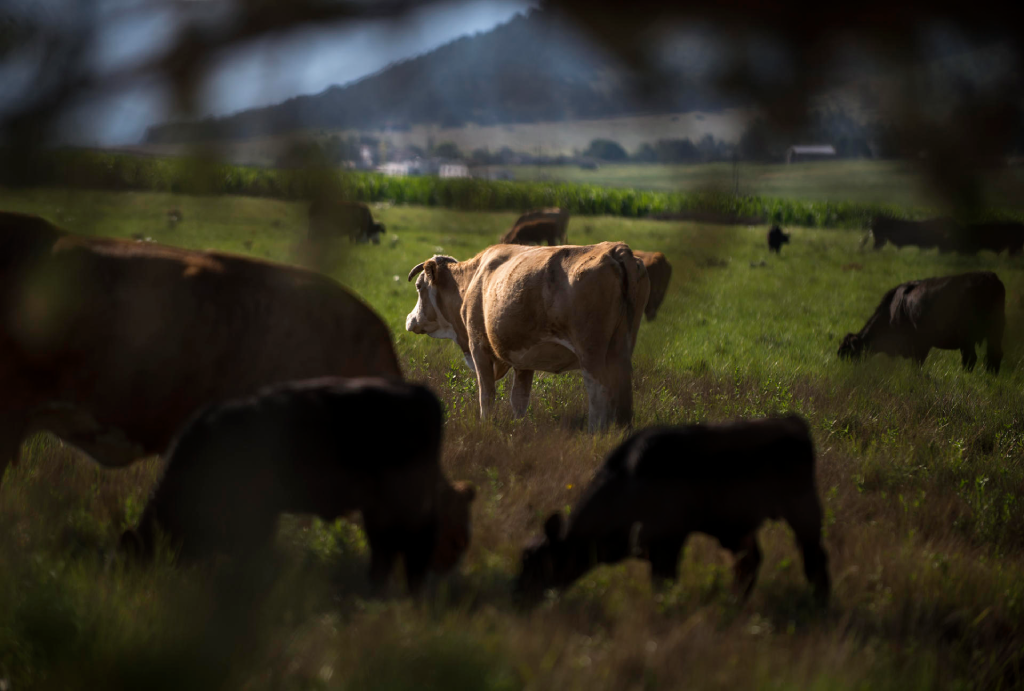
(805, 521)
(522, 381)
(994, 344)
(920, 354)
(747, 565)
(598, 402)
(610, 393)
(664, 556)
(484, 365)
(383, 553)
(968, 357)
(12, 432)
(622, 373)
(417, 550)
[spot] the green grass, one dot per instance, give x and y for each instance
(859, 181)
(921, 472)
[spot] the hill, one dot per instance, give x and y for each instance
(534, 68)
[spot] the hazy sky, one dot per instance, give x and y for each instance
(271, 70)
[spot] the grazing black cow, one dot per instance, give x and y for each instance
(949, 313)
(996, 237)
(776, 239)
(322, 446)
(664, 483)
(936, 232)
(330, 219)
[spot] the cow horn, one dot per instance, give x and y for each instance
(415, 270)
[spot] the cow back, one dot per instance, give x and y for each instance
(141, 335)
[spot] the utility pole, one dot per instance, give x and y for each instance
(736, 172)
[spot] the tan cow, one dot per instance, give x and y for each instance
(112, 344)
(660, 273)
(537, 226)
(540, 308)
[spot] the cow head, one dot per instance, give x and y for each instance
(376, 229)
(851, 347)
(453, 525)
(553, 561)
(435, 310)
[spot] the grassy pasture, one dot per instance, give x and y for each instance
(921, 472)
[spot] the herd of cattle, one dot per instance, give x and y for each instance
(949, 236)
(272, 389)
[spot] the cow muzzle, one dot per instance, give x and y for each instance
(412, 324)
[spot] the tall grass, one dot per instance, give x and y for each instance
(921, 473)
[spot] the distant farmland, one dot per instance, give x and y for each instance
(863, 181)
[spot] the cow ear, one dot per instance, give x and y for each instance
(430, 269)
(553, 527)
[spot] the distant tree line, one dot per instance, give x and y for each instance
(760, 142)
(705, 150)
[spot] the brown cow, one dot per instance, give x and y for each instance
(660, 273)
(330, 219)
(664, 483)
(325, 447)
(113, 344)
(540, 308)
(537, 226)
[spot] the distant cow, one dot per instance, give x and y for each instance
(330, 219)
(995, 236)
(949, 313)
(928, 234)
(659, 271)
(776, 239)
(664, 483)
(537, 226)
(551, 309)
(325, 447)
(113, 344)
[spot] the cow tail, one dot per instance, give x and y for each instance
(631, 268)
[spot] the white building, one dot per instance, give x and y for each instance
(366, 156)
(809, 152)
(453, 170)
(402, 168)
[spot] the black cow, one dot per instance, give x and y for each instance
(330, 219)
(322, 446)
(995, 236)
(936, 232)
(776, 239)
(949, 313)
(664, 483)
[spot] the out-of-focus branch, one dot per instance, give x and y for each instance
(64, 78)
